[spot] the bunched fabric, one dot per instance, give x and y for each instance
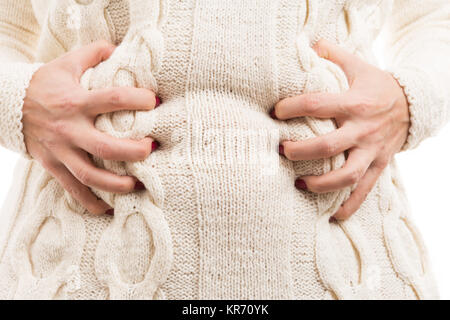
(132, 65)
(221, 218)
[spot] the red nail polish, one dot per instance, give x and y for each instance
(139, 186)
(272, 114)
(158, 102)
(281, 149)
(155, 145)
(301, 184)
(110, 212)
(333, 220)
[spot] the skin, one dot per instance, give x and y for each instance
(372, 119)
(58, 125)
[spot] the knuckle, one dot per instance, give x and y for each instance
(50, 143)
(70, 103)
(51, 140)
(354, 175)
(83, 176)
(73, 191)
(363, 105)
(348, 108)
(382, 162)
(311, 103)
(103, 150)
(328, 148)
(371, 129)
(59, 128)
(116, 97)
(47, 164)
(352, 105)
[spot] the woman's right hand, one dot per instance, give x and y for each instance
(58, 125)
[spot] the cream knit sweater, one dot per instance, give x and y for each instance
(221, 217)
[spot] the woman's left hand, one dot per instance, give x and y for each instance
(372, 119)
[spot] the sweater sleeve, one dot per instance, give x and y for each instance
(417, 52)
(19, 33)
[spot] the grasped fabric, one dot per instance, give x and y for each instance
(221, 218)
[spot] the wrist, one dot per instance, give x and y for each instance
(404, 115)
(424, 104)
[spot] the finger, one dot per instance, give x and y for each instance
(319, 105)
(354, 169)
(84, 170)
(359, 194)
(89, 56)
(346, 61)
(78, 191)
(116, 99)
(107, 147)
(325, 146)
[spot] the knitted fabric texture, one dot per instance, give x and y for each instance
(220, 217)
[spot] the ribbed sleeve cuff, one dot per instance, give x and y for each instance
(428, 112)
(14, 81)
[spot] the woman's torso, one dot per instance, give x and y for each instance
(238, 227)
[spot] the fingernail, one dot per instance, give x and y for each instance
(333, 220)
(155, 145)
(110, 212)
(272, 114)
(158, 102)
(281, 149)
(301, 184)
(139, 186)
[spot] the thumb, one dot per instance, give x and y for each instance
(346, 61)
(90, 55)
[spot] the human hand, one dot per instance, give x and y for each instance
(59, 126)
(372, 119)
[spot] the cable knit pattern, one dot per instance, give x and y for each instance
(118, 12)
(220, 217)
(138, 217)
(14, 80)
